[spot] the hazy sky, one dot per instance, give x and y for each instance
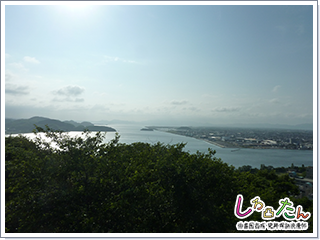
(161, 64)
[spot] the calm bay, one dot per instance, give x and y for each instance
(253, 157)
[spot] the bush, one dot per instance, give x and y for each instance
(81, 184)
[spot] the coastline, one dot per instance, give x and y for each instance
(228, 145)
(213, 143)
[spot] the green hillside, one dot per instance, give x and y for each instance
(28, 125)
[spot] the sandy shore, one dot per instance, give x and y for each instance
(214, 143)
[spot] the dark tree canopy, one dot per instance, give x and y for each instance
(81, 184)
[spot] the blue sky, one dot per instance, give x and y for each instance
(196, 65)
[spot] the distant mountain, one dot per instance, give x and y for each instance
(306, 126)
(86, 124)
(73, 123)
(8, 120)
(28, 125)
(184, 128)
(116, 121)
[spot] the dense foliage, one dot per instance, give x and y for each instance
(81, 184)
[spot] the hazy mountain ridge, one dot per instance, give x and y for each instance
(305, 126)
(28, 125)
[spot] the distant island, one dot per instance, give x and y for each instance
(13, 126)
(146, 129)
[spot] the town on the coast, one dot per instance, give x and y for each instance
(237, 138)
(247, 138)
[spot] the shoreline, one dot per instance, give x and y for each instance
(228, 145)
(214, 143)
(210, 142)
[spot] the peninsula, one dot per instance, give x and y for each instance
(236, 138)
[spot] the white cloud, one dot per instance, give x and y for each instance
(226, 109)
(192, 109)
(109, 59)
(67, 99)
(275, 100)
(9, 76)
(16, 90)
(276, 88)
(31, 60)
(19, 66)
(68, 94)
(177, 102)
(69, 91)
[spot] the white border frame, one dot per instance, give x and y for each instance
(167, 235)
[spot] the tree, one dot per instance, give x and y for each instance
(81, 184)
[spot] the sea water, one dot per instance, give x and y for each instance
(253, 157)
(244, 156)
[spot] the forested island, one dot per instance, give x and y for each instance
(83, 185)
(14, 126)
(146, 129)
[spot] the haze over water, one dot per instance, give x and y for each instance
(253, 157)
